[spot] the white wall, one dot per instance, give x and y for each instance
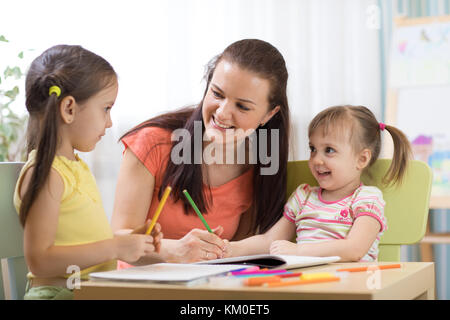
(159, 49)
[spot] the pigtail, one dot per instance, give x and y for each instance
(46, 144)
(402, 153)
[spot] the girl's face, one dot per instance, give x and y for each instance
(236, 102)
(334, 163)
(92, 118)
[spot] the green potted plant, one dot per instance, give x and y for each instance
(12, 122)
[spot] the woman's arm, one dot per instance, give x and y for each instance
(47, 260)
(133, 195)
(358, 242)
(135, 187)
(283, 229)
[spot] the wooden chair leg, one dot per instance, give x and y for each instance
(426, 249)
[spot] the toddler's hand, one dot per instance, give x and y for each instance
(283, 247)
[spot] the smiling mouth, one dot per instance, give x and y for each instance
(323, 173)
(219, 125)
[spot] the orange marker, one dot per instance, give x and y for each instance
(373, 267)
(257, 281)
(299, 282)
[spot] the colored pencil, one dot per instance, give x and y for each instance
(290, 275)
(196, 210)
(159, 209)
(260, 272)
(245, 270)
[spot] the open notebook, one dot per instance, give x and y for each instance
(272, 261)
(166, 273)
(179, 273)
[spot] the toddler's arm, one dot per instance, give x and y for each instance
(258, 244)
(358, 242)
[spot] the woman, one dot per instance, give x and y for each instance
(244, 107)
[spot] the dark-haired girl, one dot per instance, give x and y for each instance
(69, 95)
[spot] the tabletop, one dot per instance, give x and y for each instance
(413, 280)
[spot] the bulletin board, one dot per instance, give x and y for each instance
(418, 95)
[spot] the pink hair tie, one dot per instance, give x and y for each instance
(382, 126)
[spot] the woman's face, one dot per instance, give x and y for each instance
(236, 102)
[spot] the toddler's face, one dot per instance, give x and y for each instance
(333, 162)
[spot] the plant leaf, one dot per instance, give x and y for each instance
(12, 94)
(13, 72)
(20, 55)
(2, 38)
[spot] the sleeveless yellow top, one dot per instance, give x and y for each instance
(82, 218)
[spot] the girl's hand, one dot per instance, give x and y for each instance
(156, 233)
(132, 247)
(198, 245)
(284, 247)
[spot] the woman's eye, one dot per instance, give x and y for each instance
(243, 108)
(217, 94)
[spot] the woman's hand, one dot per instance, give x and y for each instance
(198, 245)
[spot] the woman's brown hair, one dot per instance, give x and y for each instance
(78, 73)
(365, 132)
(269, 191)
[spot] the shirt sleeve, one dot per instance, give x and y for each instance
(147, 145)
(294, 205)
(369, 202)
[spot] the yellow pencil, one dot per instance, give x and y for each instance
(159, 209)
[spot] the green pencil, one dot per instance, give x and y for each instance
(196, 210)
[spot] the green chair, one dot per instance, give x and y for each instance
(406, 207)
(13, 266)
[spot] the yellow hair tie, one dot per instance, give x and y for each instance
(54, 89)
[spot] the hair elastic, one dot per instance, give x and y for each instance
(382, 126)
(54, 89)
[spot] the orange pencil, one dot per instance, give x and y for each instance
(373, 267)
(299, 282)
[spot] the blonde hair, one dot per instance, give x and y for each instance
(364, 132)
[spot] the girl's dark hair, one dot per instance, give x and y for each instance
(365, 132)
(78, 73)
(269, 191)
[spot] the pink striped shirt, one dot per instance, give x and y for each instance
(319, 220)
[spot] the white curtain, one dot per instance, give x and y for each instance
(159, 49)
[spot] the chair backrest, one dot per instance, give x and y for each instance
(406, 207)
(13, 265)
